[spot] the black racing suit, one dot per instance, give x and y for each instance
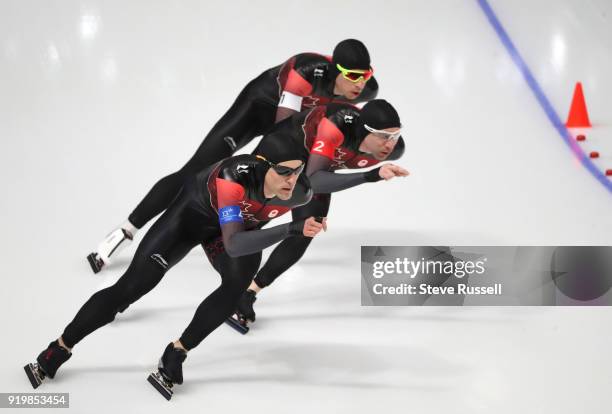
(225, 201)
(307, 76)
(331, 135)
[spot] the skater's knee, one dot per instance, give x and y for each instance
(170, 181)
(128, 293)
(142, 276)
(193, 166)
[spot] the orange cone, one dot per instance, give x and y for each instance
(578, 116)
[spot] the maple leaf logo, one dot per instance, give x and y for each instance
(244, 208)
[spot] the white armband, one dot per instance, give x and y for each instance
(291, 101)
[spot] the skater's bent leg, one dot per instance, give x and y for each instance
(163, 246)
(234, 130)
(102, 307)
(247, 118)
(157, 199)
(236, 274)
(285, 255)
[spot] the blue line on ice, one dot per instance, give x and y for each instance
(541, 97)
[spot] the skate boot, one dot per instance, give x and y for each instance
(111, 245)
(244, 312)
(169, 371)
(47, 363)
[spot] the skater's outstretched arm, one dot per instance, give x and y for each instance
(323, 181)
(329, 138)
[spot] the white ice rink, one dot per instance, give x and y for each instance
(99, 99)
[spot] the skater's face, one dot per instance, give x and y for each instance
(347, 88)
(282, 185)
(379, 145)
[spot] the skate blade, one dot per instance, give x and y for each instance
(158, 383)
(93, 262)
(237, 325)
(31, 372)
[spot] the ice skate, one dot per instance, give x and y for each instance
(244, 312)
(111, 245)
(169, 371)
(35, 374)
(161, 384)
(241, 325)
(46, 364)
